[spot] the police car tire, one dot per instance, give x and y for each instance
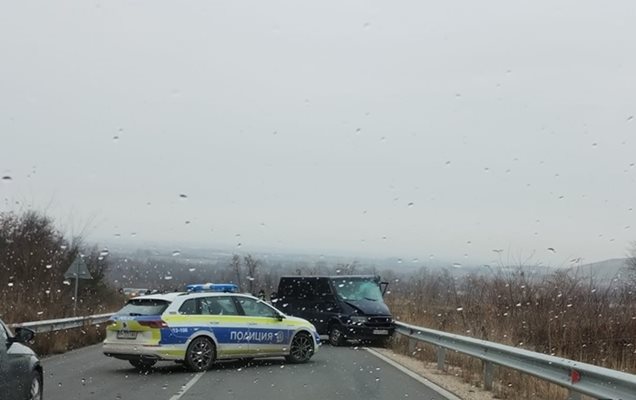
(301, 348)
(336, 336)
(142, 364)
(200, 354)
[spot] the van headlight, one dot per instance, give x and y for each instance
(358, 319)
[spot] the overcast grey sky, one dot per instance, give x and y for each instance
(409, 128)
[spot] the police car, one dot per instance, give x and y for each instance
(204, 325)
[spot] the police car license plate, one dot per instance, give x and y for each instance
(126, 335)
(380, 332)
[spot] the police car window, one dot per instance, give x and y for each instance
(138, 307)
(189, 307)
(217, 306)
(254, 308)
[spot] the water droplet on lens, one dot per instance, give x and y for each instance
(176, 253)
(6, 178)
(183, 196)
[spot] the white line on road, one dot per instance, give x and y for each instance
(188, 385)
(419, 378)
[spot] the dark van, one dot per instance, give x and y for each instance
(343, 307)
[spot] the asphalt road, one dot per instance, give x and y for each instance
(333, 373)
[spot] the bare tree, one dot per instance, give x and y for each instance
(631, 261)
(252, 265)
(235, 264)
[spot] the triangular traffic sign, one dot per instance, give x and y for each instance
(78, 269)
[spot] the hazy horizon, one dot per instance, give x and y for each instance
(455, 130)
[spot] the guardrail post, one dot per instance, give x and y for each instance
(441, 358)
(488, 372)
(572, 395)
(412, 344)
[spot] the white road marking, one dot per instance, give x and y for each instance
(417, 377)
(187, 386)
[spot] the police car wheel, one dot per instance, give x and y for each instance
(301, 349)
(142, 364)
(200, 354)
(336, 337)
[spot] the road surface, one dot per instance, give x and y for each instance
(333, 373)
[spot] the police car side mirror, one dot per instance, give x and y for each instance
(279, 317)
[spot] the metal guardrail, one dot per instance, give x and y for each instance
(52, 325)
(579, 378)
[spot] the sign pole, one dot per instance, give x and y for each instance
(76, 291)
(78, 270)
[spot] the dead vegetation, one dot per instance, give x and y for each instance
(559, 314)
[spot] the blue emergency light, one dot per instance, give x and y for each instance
(213, 287)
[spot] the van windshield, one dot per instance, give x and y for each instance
(357, 289)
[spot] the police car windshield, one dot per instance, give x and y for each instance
(357, 289)
(140, 307)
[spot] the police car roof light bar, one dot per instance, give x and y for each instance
(213, 287)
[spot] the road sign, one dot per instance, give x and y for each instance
(78, 270)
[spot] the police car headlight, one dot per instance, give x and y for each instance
(357, 320)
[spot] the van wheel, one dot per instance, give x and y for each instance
(336, 336)
(200, 354)
(142, 365)
(301, 349)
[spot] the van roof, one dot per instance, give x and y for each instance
(329, 276)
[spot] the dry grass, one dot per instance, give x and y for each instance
(62, 341)
(561, 315)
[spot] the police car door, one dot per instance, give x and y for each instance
(229, 327)
(268, 333)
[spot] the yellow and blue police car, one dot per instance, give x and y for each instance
(206, 324)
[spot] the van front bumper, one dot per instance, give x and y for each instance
(364, 332)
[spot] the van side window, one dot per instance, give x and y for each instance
(301, 289)
(323, 289)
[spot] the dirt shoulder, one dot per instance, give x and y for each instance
(443, 379)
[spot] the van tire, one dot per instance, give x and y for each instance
(200, 354)
(336, 335)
